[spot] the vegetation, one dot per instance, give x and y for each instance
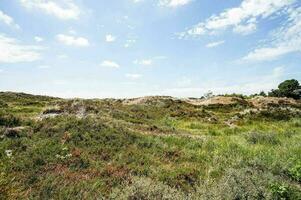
(288, 88)
(160, 148)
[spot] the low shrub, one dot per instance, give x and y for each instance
(9, 120)
(245, 183)
(262, 138)
(146, 189)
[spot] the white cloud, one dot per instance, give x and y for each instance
(63, 9)
(8, 20)
(285, 40)
(72, 41)
(12, 51)
(133, 76)
(143, 62)
(38, 39)
(110, 64)
(242, 19)
(110, 38)
(173, 3)
(215, 44)
(245, 29)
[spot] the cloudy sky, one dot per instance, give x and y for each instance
(129, 48)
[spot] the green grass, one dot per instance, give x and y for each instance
(159, 151)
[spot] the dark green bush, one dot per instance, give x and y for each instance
(9, 120)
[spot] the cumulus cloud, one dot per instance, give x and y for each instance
(242, 19)
(63, 9)
(285, 40)
(8, 20)
(173, 3)
(110, 38)
(133, 76)
(12, 51)
(215, 44)
(72, 40)
(109, 64)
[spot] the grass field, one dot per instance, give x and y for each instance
(54, 148)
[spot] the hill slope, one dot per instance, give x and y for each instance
(149, 148)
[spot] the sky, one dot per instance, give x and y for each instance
(131, 48)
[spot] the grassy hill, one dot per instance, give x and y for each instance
(149, 148)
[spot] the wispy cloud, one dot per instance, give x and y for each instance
(12, 51)
(72, 40)
(173, 3)
(128, 43)
(215, 44)
(64, 9)
(109, 64)
(285, 40)
(145, 62)
(38, 39)
(242, 19)
(8, 20)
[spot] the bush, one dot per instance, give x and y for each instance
(262, 138)
(146, 189)
(245, 183)
(9, 120)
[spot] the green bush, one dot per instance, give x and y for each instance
(262, 138)
(9, 120)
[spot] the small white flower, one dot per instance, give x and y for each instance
(9, 153)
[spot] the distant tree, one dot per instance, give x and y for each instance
(262, 93)
(289, 88)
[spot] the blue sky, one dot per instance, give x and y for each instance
(130, 48)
